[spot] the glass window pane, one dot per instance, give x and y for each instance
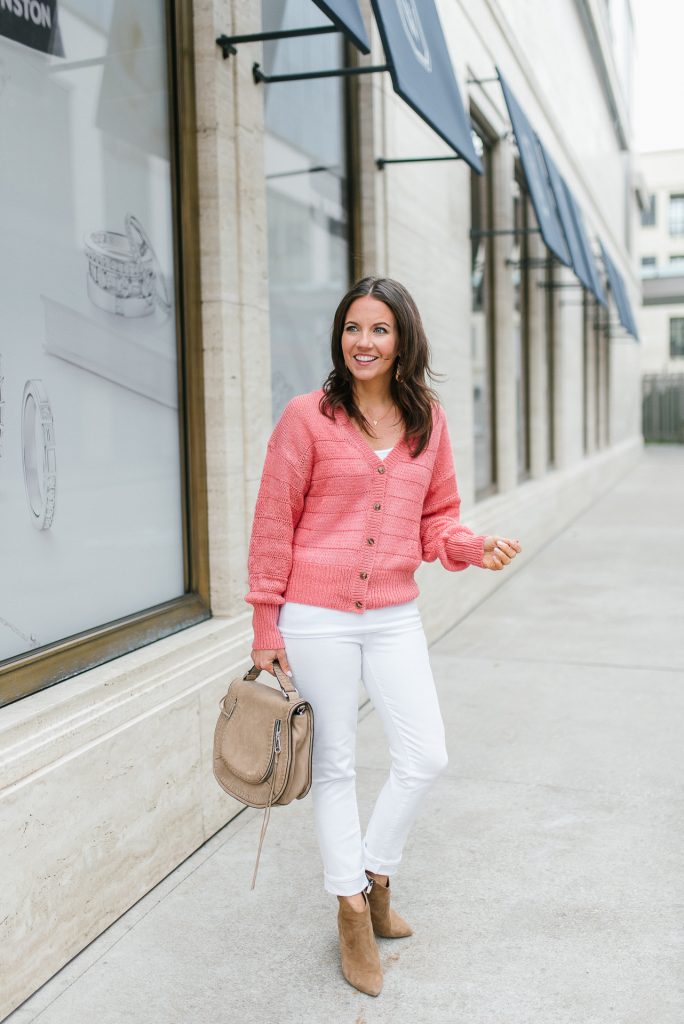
(677, 337)
(90, 467)
(676, 215)
(308, 216)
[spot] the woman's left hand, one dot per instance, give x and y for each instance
(499, 551)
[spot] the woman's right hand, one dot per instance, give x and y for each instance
(264, 660)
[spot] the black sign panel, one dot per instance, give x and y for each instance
(617, 286)
(347, 16)
(573, 226)
(538, 183)
(33, 23)
(421, 70)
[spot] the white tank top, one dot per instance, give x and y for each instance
(311, 620)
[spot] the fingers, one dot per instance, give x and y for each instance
(264, 661)
(284, 663)
(503, 550)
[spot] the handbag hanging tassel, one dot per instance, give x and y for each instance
(264, 823)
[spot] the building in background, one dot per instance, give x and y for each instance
(661, 258)
(175, 238)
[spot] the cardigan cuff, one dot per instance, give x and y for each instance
(468, 549)
(267, 636)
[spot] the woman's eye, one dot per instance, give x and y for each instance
(383, 330)
(350, 328)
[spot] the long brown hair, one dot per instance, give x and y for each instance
(411, 393)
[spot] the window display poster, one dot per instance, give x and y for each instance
(90, 488)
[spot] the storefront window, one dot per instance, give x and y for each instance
(90, 459)
(481, 325)
(306, 183)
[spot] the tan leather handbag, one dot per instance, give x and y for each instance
(263, 744)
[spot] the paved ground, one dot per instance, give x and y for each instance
(545, 881)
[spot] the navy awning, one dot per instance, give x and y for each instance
(596, 287)
(617, 286)
(347, 16)
(421, 70)
(542, 196)
(575, 234)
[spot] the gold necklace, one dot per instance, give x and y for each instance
(375, 422)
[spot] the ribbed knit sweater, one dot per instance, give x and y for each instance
(337, 527)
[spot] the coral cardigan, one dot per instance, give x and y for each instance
(337, 527)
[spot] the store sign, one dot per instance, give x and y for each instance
(622, 303)
(32, 22)
(421, 70)
(537, 178)
(347, 16)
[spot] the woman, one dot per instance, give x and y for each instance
(358, 487)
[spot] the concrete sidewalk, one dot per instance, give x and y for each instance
(545, 881)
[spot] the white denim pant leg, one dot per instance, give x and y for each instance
(395, 668)
(327, 671)
(398, 678)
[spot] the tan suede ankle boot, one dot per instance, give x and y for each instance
(360, 958)
(386, 922)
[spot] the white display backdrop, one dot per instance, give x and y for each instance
(90, 507)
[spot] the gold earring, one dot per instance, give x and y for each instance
(397, 375)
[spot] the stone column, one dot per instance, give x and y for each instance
(537, 368)
(504, 298)
(235, 326)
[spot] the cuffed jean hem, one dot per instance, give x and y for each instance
(345, 886)
(377, 866)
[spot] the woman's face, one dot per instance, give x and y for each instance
(369, 339)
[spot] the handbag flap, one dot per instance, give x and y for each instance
(250, 713)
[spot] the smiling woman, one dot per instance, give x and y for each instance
(358, 488)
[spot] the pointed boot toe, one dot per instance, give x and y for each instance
(386, 922)
(360, 957)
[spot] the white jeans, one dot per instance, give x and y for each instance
(387, 649)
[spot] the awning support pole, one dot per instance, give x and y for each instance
(228, 43)
(382, 160)
(259, 76)
(490, 232)
(480, 81)
(559, 284)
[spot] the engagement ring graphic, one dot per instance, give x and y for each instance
(38, 454)
(124, 274)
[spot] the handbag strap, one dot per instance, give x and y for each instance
(265, 820)
(286, 684)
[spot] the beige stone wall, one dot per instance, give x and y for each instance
(105, 779)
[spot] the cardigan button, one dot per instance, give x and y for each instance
(359, 604)
(381, 469)
(377, 506)
(363, 575)
(371, 541)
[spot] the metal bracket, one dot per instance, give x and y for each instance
(480, 81)
(530, 264)
(259, 76)
(382, 160)
(491, 232)
(228, 43)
